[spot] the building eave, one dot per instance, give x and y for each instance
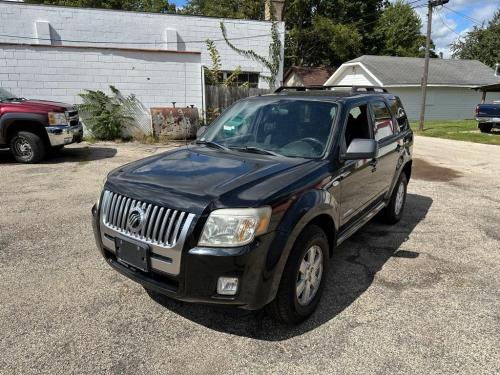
(101, 47)
(345, 66)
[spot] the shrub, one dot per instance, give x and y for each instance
(106, 116)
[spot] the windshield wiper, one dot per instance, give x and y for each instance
(212, 144)
(255, 150)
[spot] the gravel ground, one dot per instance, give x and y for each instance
(420, 297)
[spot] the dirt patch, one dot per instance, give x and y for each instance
(423, 170)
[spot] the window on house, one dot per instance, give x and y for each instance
(384, 127)
(243, 78)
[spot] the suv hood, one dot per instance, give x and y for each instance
(195, 177)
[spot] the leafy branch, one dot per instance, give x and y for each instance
(213, 74)
(273, 62)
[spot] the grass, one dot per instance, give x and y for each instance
(458, 130)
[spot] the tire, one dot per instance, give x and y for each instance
(288, 307)
(394, 210)
(485, 127)
(27, 147)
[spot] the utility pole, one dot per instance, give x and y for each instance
(431, 4)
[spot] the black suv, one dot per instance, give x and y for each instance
(249, 214)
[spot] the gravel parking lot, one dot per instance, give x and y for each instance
(418, 298)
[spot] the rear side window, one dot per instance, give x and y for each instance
(399, 113)
(384, 126)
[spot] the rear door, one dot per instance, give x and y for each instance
(386, 131)
(358, 178)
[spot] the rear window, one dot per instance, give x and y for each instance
(399, 113)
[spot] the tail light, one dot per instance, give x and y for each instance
(477, 110)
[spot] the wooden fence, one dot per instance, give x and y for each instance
(219, 98)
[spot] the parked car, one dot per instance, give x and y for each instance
(488, 116)
(249, 214)
(31, 127)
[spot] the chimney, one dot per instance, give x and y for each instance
(497, 70)
(277, 10)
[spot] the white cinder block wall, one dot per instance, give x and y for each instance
(61, 73)
(70, 26)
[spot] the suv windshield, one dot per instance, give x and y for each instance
(289, 127)
(4, 94)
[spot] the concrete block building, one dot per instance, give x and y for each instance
(54, 53)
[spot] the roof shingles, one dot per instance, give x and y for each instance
(397, 71)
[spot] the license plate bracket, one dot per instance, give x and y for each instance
(132, 253)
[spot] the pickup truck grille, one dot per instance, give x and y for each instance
(73, 117)
(161, 226)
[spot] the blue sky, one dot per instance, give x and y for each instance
(447, 25)
(455, 19)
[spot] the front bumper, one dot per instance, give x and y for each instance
(200, 269)
(60, 135)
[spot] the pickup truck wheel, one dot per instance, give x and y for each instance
(27, 147)
(485, 127)
(394, 210)
(303, 278)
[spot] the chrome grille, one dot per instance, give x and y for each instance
(162, 226)
(73, 117)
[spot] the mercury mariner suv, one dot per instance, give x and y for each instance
(249, 214)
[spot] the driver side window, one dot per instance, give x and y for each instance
(358, 125)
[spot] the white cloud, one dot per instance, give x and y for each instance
(485, 13)
(444, 29)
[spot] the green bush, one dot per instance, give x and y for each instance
(106, 116)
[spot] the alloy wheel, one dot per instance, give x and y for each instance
(310, 273)
(400, 197)
(23, 148)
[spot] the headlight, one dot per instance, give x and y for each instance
(57, 118)
(235, 226)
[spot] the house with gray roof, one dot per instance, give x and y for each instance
(450, 94)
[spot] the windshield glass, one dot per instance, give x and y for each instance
(294, 128)
(4, 94)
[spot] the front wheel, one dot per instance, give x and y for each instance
(394, 210)
(27, 147)
(303, 278)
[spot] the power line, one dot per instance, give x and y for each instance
(464, 16)
(447, 26)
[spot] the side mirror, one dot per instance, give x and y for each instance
(200, 131)
(361, 149)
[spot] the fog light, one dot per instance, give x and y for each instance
(227, 286)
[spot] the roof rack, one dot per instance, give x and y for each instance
(354, 89)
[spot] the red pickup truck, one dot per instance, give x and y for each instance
(30, 128)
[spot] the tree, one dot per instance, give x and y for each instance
(329, 32)
(324, 43)
(481, 44)
(398, 29)
(247, 9)
(154, 6)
